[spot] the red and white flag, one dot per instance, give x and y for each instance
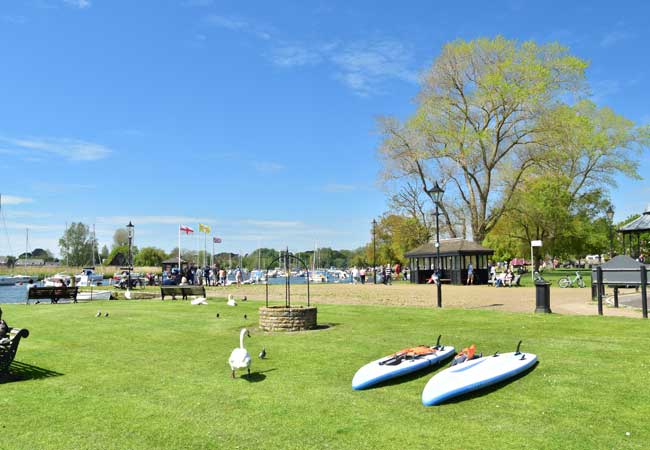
(186, 230)
(216, 240)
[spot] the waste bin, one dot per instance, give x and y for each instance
(542, 297)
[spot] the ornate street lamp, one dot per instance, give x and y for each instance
(436, 195)
(374, 252)
(610, 219)
(129, 229)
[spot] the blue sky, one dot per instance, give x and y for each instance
(257, 118)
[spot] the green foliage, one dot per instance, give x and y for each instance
(150, 256)
(76, 245)
(84, 381)
(494, 112)
(124, 250)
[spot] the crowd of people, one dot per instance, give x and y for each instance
(206, 276)
(385, 274)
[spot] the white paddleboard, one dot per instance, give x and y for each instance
(475, 374)
(388, 367)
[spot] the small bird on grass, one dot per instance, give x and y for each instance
(217, 315)
(262, 354)
(244, 299)
(106, 315)
(99, 313)
(245, 317)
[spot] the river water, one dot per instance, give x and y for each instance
(18, 294)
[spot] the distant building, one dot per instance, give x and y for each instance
(3, 260)
(30, 262)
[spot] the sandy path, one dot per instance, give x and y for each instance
(516, 299)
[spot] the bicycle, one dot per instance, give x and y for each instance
(566, 282)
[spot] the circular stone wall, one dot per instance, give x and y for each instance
(280, 318)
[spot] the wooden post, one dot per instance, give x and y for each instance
(615, 297)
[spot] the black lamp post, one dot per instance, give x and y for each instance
(129, 229)
(436, 195)
(610, 218)
(374, 252)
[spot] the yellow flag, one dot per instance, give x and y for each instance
(204, 228)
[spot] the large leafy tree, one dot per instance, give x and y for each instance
(76, 245)
(491, 112)
(150, 256)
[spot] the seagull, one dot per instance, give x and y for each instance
(262, 354)
(231, 300)
(99, 313)
(106, 315)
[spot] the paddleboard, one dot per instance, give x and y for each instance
(475, 374)
(396, 365)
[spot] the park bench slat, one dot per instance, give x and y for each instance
(8, 350)
(53, 293)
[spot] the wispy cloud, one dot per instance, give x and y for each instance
(268, 167)
(81, 4)
(614, 37)
(15, 200)
(292, 55)
(604, 88)
(363, 66)
(69, 149)
(335, 187)
(198, 3)
(154, 220)
(235, 23)
(273, 223)
(15, 20)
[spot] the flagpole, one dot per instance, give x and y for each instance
(179, 249)
(205, 248)
(212, 254)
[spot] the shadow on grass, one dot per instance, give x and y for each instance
(493, 305)
(411, 376)
(489, 389)
(256, 377)
(22, 372)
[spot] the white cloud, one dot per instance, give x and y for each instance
(14, 200)
(268, 167)
(604, 88)
(154, 220)
(362, 66)
(234, 23)
(69, 149)
(81, 4)
(294, 55)
(273, 223)
(336, 187)
(614, 37)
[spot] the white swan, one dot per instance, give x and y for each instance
(127, 294)
(239, 358)
(231, 300)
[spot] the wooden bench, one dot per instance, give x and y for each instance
(9, 346)
(53, 293)
(183, 291)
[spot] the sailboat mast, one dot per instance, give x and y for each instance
(26, 247)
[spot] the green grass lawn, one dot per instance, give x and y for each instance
(154, 375)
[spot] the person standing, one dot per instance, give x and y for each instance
(362, 275)
(470, 274)
(388, 277)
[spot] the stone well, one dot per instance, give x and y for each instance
(281, 318)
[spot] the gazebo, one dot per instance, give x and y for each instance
(455, 256)
(172, 263)
(636, 227)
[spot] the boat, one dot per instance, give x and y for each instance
(94, 295)
(401, 363)
(475, 374)
(88, 277)
(7, 281)
(57, 279)
(318, 276)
